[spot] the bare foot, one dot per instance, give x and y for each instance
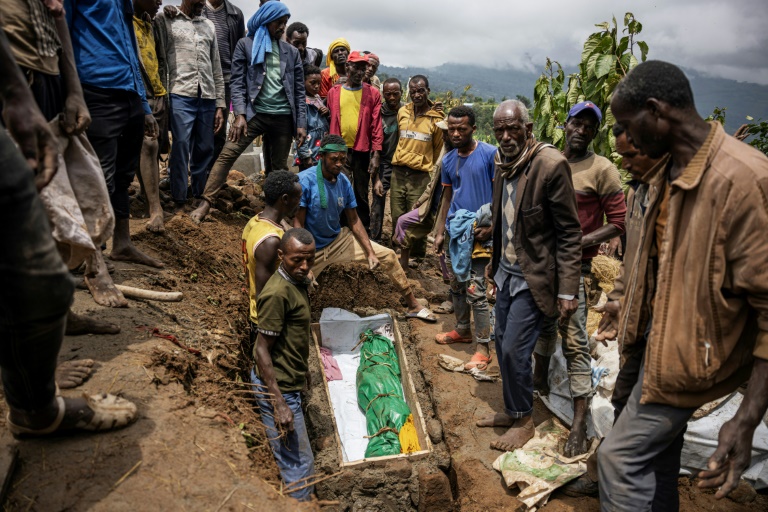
(499, 419)
(100, 284)
(200, 212)
(519, 434)
(71, 374)
(155, 224)
(577, 442)
(131, 253)
(81, 324)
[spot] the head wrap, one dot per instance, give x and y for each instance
(335, 44)
(328, 148)
(257, 28)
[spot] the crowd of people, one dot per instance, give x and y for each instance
(520, 221)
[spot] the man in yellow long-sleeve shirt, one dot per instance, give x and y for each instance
(418, 150)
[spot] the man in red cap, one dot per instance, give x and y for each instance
(356, 115)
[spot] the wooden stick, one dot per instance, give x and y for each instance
(122, 479)
(139, 293)
(310, 484)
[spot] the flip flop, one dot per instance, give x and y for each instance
(448, 338)
(109, 412)
(446, 307)
(478, 361)
(424, 314)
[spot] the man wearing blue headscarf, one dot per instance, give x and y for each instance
(268, 98)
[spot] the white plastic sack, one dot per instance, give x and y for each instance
(76, 200)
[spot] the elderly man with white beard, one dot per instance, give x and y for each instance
(536, 259)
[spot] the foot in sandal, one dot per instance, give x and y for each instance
(448, 338)
(481, 359)
(91, 413)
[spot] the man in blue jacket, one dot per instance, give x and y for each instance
(267, 97)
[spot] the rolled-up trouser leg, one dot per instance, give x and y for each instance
(478, 300)
(576, 349)
(36, 288)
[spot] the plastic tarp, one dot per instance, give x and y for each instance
(538, 468)
(341, 331)
(380, 394)
(700, 438)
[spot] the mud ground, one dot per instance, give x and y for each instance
(198, 443)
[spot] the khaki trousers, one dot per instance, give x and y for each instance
(346, 248)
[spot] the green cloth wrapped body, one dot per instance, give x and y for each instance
(380, 394)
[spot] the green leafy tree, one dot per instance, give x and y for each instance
(607, 56)
(759, 133)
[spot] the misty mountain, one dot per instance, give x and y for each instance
(740, 98)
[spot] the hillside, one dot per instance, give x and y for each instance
(740, 98)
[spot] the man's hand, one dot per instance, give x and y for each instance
(373, 261)
(613, 247)
(373, 166)
(438, 106)
(439, 241)
(238, 130)
(567, 308)
(730, 460)
(483, 233)
(75, 119)
(160, 106)
(170, 11)
(151, 129)
(218, 120)
(608, 328)
(283, 417)
(34, 137)
(489, 278)
(301, 136)
(324, 111)
(378, 188)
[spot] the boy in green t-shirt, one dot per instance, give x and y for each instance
(282, 355)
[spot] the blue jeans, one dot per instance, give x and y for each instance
(192, 121)
(518, 322)
(293, 453)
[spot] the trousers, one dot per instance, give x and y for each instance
(639, 460)
(116, 134)
(293, 453)
(192, 123)
(36, 288)
(279, 128)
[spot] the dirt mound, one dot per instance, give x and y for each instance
(352, 286)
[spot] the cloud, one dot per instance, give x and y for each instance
(726, 39)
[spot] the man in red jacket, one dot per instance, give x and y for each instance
(356, 116)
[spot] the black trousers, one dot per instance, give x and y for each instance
(377, 208)
(356, 170)
(35, 288)
(220, 138)
(116, 134)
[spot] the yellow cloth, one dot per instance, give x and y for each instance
(146, 40)
(409, 439)
(349, 105)
(335, 44)
(256, 231)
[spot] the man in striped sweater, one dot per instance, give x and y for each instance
(599, 197)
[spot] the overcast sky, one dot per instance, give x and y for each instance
(726, 38)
